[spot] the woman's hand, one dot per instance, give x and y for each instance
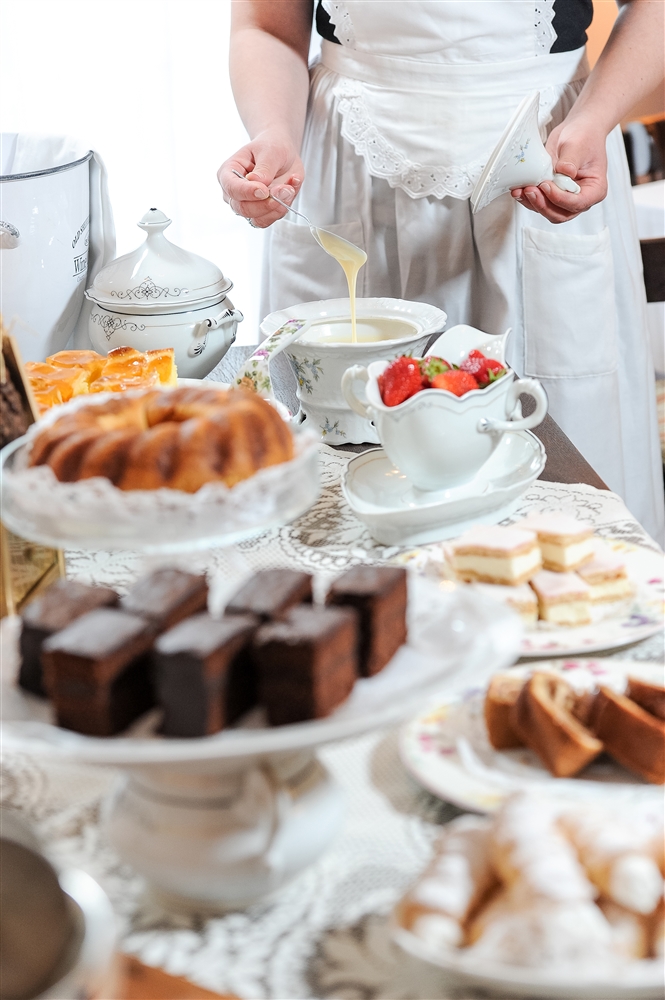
(577, 150)
(268, 163)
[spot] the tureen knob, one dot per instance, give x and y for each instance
(154, 221)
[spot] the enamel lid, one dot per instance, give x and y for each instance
(158, 277)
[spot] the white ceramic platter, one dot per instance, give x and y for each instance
(481, 638)
(447, 750)
(396, 513)
(641, 980)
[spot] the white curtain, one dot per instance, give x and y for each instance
(145, 83)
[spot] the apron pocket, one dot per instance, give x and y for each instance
(301, 271)
(569, 304)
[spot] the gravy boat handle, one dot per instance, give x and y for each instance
(255, 372)
(529, 386)
(356, 404)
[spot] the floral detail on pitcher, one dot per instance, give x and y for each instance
(307, 372)
(331, 429)
(149, 290)
(111, 324)
(521, 156)
(255, 373)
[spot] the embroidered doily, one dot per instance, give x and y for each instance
(325, 935)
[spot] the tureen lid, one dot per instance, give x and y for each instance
(158, 277)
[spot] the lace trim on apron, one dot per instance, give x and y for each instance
(429, 128)
(545, 33)
(339, 14)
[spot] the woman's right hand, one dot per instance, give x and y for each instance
(268, 163)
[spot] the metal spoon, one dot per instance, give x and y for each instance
(314, 230)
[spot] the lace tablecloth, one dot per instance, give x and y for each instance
(325, 935)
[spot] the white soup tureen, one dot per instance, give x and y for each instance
(163, 296)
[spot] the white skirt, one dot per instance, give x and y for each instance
(573, 294)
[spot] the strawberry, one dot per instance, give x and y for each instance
(400, 380)
(431, 367)
(484, 370)
(458, 382)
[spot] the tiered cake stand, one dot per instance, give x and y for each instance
(225, 820)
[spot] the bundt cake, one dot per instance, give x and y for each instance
(176, 438)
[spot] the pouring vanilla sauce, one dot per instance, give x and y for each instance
(350, 258)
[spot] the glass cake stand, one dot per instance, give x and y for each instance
(93, 514)
(222, 821)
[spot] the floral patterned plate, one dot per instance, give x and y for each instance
(447, 750)
(615, 624)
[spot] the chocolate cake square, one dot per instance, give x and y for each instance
(167, 596)
(54, 609)
(307, 663)
(97, 671)
(270, 593)
(204, 674)
(378, 593)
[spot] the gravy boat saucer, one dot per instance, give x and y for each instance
(396, 513)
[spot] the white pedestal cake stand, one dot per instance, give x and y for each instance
(225, 820)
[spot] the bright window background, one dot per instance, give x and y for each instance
(145, 83)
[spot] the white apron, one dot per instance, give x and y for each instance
(402, 116)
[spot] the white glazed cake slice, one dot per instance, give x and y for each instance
(495, 555)
(606, 575)
(565, 543)
(563, 598)
(521, 599)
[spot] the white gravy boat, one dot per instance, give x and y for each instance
(439, 440)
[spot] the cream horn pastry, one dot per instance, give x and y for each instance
(563, 598)
(496, 555)
(619, 856)
(605, 573)
(530, 851)
(565, 543)
(521, 599)
(458, 878)
(538, 932)
(630, 931)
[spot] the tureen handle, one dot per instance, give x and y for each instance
(348, 378)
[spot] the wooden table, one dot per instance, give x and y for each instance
(136, 981)
(564, 464)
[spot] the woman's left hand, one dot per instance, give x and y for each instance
(578, 151)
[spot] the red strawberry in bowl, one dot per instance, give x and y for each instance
(484, 370)
(431, 367)
(400, 380)
(457, 381)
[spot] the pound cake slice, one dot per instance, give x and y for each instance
(565, 542)
(499, 710)
(634, 737)
(543, 718)
(496, 555)
(650, 697)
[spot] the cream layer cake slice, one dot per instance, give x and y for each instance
(565, 543)
(606, 575)
(521, 599)
(563, 598)
(492, 554)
